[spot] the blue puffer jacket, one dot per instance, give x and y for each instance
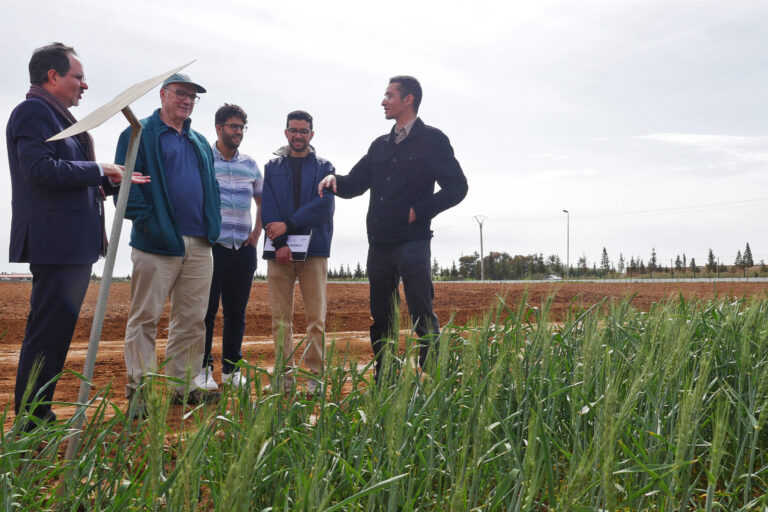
(313, 211)
(155, 228)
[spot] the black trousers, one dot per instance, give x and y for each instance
(233, 271)
(387, 264)
(57, 295)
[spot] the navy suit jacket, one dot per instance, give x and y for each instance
(56, 216)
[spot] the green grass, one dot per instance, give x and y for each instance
(612, 409)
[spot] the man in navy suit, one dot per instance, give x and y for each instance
(57, 223)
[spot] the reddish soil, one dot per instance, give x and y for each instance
(348, 320)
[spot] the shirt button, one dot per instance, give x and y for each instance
(381, 198)
(394, 159)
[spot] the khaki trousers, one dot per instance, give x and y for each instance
(312, 275)
(187, 281)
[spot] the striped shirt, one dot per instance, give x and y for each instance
(239, 180)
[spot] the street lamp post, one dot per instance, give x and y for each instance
(480, 219)
(567, 244)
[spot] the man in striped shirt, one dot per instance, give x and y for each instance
(234, 253)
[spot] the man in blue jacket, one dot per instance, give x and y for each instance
(176, 219)
(57, 214)
(291, 205)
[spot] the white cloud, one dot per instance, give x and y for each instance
(705, 141)
(725, 153)
(557, 174)
(542, 102)
(551, 157)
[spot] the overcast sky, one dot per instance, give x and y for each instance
(646, 120)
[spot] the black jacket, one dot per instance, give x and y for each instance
(401, 176)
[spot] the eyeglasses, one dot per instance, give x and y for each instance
(236, 127)
(294, 131)
(182, 95)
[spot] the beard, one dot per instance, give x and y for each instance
(299, 146)
(230, 142)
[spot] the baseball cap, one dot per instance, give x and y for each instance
(181, 78)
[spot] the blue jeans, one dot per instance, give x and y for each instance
(233, 271)
(387, 264)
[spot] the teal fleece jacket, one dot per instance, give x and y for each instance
(155, 228)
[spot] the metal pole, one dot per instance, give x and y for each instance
(480, 219)
(106, 281)
(567, 244)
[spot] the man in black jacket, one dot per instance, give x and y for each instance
(401, 169)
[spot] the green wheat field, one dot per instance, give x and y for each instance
(610, 409)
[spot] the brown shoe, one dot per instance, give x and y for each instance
(197, 397)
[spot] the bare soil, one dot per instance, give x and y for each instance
(347, 321)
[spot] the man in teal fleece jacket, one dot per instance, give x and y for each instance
(176, 219)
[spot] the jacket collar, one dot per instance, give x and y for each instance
(184, 129)
(285, 151)
(416, 129)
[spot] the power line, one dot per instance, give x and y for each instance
(451, 226)
(673, 210)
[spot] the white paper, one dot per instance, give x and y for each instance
(296, 243)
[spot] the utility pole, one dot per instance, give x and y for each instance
(480, 219)
(567, 244)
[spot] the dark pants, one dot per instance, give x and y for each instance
(233, 271)
(386, 265)
(57, 294)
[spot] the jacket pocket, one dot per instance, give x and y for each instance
(147, 227)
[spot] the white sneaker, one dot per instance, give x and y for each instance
(204, 380)
(233, 379)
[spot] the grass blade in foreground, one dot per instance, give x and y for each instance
(611, 409)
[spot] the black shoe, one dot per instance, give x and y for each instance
(38, 421)
(196, 397)
(137, 407)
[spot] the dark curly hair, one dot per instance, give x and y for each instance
(228, 110)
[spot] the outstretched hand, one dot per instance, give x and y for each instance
(327, 182)
(115, 173)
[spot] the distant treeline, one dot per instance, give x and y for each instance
(503, 266)
(497, 266)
